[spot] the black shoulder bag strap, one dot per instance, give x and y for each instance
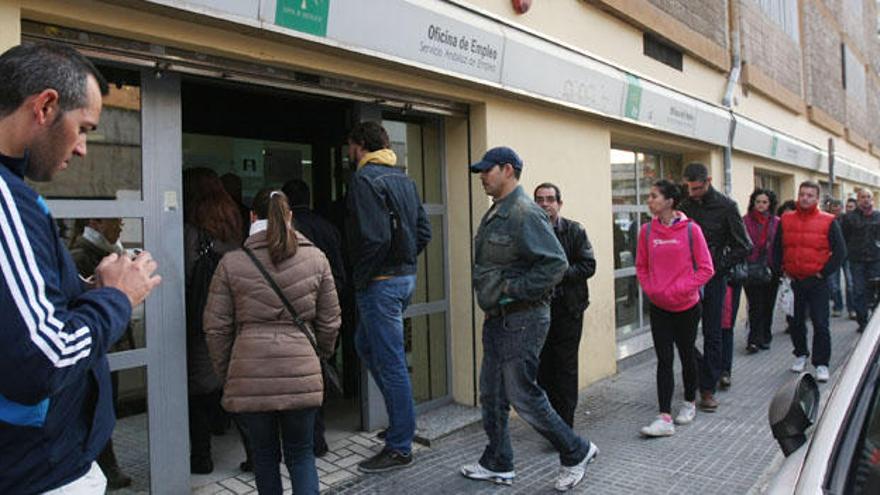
(296, 319)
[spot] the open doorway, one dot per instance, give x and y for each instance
(255, 137)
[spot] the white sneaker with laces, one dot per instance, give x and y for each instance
(822, 374)
(660, 427)
(800, 363)
(569, 476)
(476, 471)
(687, 413)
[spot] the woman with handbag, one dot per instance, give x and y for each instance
(272, 314)
(211, 229)
(672, 264)
(762, 225)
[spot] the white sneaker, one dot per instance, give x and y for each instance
(800, 363)
(822, 374)
(569, 476)
(476, 471)
(687, 413)
(660, 427)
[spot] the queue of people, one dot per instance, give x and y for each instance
(264, 311)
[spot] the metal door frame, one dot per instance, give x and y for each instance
(160, 211)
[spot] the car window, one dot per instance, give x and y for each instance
(864, 473)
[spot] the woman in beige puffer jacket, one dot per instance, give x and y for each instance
(271, 375)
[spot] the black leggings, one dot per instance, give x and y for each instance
(678, 329)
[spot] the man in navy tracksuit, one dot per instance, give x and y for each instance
(56, 411)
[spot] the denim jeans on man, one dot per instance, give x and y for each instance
(511, 344)
(297, 432)
(847, 277)
(861, 273)
(811, 295)
(710, 361)
(836, 290)
(379, 343)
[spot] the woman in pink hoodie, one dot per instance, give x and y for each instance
(672, 264)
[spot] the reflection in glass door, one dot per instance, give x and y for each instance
(122, 196)
(632, 174)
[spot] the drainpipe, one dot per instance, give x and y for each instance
(727, 101)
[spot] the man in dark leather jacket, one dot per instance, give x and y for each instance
(729, 244)
(558, 368)
(861, 230)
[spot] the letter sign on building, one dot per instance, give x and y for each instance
(307, 16)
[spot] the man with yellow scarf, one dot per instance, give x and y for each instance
(386, 229)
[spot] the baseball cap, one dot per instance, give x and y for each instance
(497, 156)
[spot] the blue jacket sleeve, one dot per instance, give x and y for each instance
(52, 332)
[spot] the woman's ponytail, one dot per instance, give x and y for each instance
(280, 236)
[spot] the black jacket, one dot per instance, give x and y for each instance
(862, 234)
(573, 292)
(325, 236)
(722, 226)
(387, 226)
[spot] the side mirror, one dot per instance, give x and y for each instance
(793, 410)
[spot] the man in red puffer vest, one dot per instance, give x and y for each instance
(811, 247)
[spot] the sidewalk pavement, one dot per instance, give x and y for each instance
(731, 451)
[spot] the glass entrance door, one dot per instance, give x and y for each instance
(127, 191)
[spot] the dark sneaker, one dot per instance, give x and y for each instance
(246, 466)
(707, 402)
(117, 480)
(201, 465)
(382, 434)
(751, 348)
(764, 347)
(386, 460)
(724, 381)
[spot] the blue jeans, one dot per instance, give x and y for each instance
(297, 431)
(508, 377)
(710, 361)
(836, 290)
(379, 343)
(847, 277)
(811, 295)
(861, 273)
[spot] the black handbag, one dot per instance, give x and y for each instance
(332, 383)
(751, 273)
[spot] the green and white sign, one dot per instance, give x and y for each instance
(307, 16)
(633, 102)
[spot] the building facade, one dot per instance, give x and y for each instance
(601, 97)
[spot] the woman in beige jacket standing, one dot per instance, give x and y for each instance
(270, 371)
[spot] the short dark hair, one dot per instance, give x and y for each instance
(812, 185)
(696, 172)
(548, 185)
(298, 193)
(369, 135)
(766, 192)
(789, 205)
(29, 69)
(669, 190)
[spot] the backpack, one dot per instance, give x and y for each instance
(199, 284)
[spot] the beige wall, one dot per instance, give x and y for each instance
(10, 24)
(574, 152)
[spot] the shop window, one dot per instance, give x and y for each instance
(632, 174)
(769, 181)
